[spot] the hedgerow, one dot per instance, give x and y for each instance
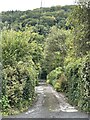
(78, 77)
(19, 73)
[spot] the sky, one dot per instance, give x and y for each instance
(22, 5)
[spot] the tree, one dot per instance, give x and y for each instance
(81, 29)
(55, 49)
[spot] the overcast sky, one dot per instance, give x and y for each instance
(31, 4)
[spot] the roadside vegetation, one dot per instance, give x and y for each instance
(46, 43)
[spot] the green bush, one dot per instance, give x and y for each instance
(78, 74)
(5, 103)
(57, 86)
(53, 75)
(57, 79)
(19, 72)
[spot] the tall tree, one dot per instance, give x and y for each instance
(55, 49)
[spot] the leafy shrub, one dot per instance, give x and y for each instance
(57, 79)
(19, 72)
(77, 73)
(57, 86)
(5, 103)
(48, 81)
(53, 75)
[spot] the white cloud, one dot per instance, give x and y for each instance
(30, 4)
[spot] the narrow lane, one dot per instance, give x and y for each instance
(50, 104)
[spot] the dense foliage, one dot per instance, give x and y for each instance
(78, 60)
(57, 79)
(78, 76)
(19, 72)
(41, 19)
(52, 43)
(55, 49)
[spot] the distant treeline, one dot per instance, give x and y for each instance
(45, 17)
